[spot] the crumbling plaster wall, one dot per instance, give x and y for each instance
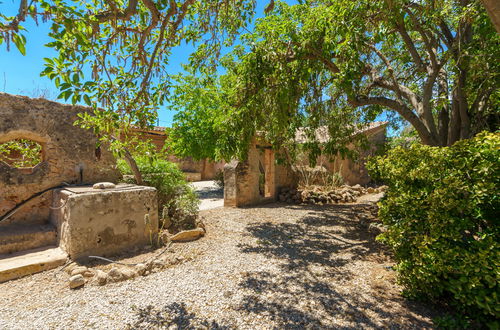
(69, 154)
(354, 171)
(241, 178)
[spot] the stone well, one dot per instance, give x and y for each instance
(104, 222)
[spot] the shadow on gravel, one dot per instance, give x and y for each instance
(210, 193)
(314, 254)
(172, 316)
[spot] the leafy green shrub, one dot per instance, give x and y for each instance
(177, 200)
(442, 210)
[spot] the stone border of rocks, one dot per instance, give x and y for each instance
(80, 275)
(320, 195)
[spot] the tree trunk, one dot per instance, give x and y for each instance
(133, 166)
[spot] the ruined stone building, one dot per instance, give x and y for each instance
(195, 170)
(50, 211)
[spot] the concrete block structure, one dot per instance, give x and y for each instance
(103, 223)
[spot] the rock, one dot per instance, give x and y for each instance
(103, 185)
(382, 188)
(370, 190)
(282, 198)
(89, 273)
(128, 273)
(201, 224)
(140, 269)
(188, 235)
(79, 270)
(115, 275)
(76, 281)
(101, 277)
(357, 188)
(70, 268)
(289, 201)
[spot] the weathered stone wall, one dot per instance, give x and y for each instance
(206, 168)
(242, 184)
(241, 178)
(107, 222)
(354, 171)
(69, 154)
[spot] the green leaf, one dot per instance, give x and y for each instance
(20, 42)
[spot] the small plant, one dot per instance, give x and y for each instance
(21, 153)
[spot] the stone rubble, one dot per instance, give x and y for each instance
(76, 281)
(320, 195)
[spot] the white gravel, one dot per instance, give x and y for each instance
(211, 196)
(270, 267)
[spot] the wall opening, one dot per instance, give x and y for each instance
(266, 172)
(23, 154)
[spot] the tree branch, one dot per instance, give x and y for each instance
(411, 46)
(400, 108)
(125, 15)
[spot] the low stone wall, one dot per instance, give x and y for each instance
(69, 154)
(105, 222)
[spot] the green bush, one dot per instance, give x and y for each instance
(442, 210)
(177, 200)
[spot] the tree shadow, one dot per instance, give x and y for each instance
(172, 316)
(210, 193)
(314, 255)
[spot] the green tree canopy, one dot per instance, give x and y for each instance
(433, 63)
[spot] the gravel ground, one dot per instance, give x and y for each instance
(211, 196)
(269, 267)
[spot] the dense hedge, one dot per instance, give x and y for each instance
(177, 200)
(442, 210)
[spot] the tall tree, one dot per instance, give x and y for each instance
(432, 62)
(114, 54)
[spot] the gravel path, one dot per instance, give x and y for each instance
(269, 267)
(211, 196)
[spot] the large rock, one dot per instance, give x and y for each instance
(101, 277)
(82, 270)
(104, 185)
(76, 281)
(188, 235)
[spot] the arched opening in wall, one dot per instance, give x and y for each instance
(23, 154)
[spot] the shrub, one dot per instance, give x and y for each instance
(442, 212)
(177, 200)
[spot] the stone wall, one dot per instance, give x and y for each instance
(243, 179)
(354, 171)
(206, 168)
(103, 223)
(256, 179)
(69, 154)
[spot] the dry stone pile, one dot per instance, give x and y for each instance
(320, 195)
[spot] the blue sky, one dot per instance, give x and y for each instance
(21, 74)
